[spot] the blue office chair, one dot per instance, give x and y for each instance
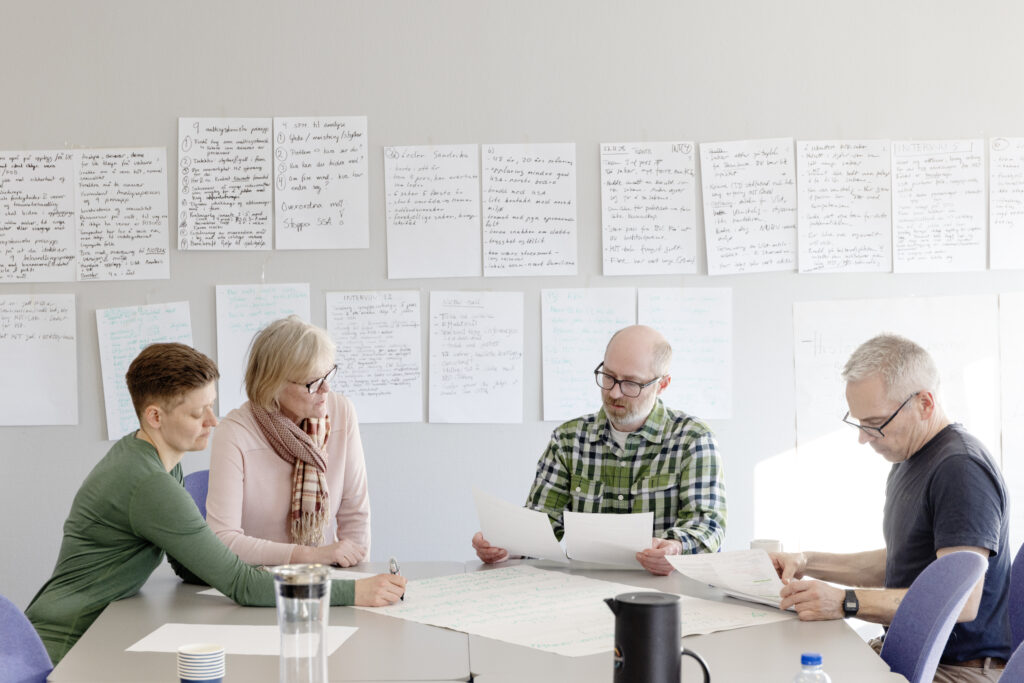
(23, 658)
(197, 484)
(1014, 670)
(923, 621)
(1017, 599)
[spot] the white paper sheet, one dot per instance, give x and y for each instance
(1006, 203)
(576, 326)
(476, 357)
(746, 574)
(519, 530)
(845, 199)
(224, 184)
(1011, 376)
(37, 217)
(379, 361)
(123, 333)
(938, 206)
(39, 382)
(698, 325)
(551, 611)
(648, 208)
(529, 209)
(432, 196)
(236, 639)
(321, 196)
(611, 538)
(121, 200)
(749, 205)
(243, 310)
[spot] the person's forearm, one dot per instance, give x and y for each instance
(879, 606)
(865, 569)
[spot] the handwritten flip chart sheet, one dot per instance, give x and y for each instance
(121, 200)
(432, 208)
(749, 205)
(648, 208)
(845, 194)
(529, 206)
(938, 206)
(37, 217)
(1011, 373)
(225, 193)
(825, 334)
(1006, 203)
(39, 384)
(476, 357)
(576, 325)
(551, 611)
(698, 325)
(379, 360)
(123, 333)
(322, 191)
(242, 311)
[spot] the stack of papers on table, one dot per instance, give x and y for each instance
(745, 574)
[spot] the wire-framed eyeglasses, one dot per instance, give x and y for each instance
(628, 387)
(314, 386)
(876, 432)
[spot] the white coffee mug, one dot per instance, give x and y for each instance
(769, 545)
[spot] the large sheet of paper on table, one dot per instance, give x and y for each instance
(551, 611)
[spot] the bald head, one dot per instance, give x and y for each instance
(643, 345)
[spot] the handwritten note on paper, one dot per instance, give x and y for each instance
(37, 217)
(938, 206)
(1006, 203)
(476, 357)
(746, 574)
(121, 199)
(322, 199)
(529, 206)
(698, 325)
(39, 382)
(224, 184)
(749, 205)
(123, 332)
(648, 216)
(845, 196)
(433, 211)
(576, 325)
(379, 360)
(242, 311)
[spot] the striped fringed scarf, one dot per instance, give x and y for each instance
(301, 446)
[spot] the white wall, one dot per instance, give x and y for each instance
(113, 74)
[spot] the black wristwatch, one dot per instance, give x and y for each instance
(851, 605)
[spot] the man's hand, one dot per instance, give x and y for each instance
(813, 600)
(653, 558)
(487, 552)
(789, 565)
(379, 590)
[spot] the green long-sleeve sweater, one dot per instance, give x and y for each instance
(128, 512)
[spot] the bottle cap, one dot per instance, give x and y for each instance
(810, 659)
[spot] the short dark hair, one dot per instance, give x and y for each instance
(163, 373)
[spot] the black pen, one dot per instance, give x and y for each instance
(393, 568)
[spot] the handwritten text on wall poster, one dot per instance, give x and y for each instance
(529, 208)
(37, 217)
(576, 325)
(476, 357)
(938, 206)
(379, 362)
(648, 216)
(1006, 203)
(39, 382)
(433, 211)
(123, 333)
(749, 205)
(845, 198)
(121, 199)
(224, 184)
(322, 190)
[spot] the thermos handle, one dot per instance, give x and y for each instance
(700, 660)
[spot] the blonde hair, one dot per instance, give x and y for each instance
(905, 367)
(286, 350)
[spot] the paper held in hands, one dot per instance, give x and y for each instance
(744, 574)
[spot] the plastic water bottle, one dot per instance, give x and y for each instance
(810, 669)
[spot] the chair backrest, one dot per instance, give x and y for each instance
(923, 621)
(1014, 670)
(1017, 598)
(23, 658)
(197, 485)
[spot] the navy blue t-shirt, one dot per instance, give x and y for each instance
(950, 493)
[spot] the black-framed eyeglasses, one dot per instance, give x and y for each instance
(876, 432)
(315, 385)
(627, 386)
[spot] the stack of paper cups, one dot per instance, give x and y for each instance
(201, 663)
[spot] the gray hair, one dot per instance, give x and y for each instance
(904, 366)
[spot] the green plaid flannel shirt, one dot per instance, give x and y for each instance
(670, 467)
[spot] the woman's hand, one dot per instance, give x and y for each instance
(379, 590)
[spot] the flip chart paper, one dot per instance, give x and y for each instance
(1006, 203)
(519, 530)
(236, 639)
(746, 574)
(607, 538)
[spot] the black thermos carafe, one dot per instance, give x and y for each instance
(647, 639)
